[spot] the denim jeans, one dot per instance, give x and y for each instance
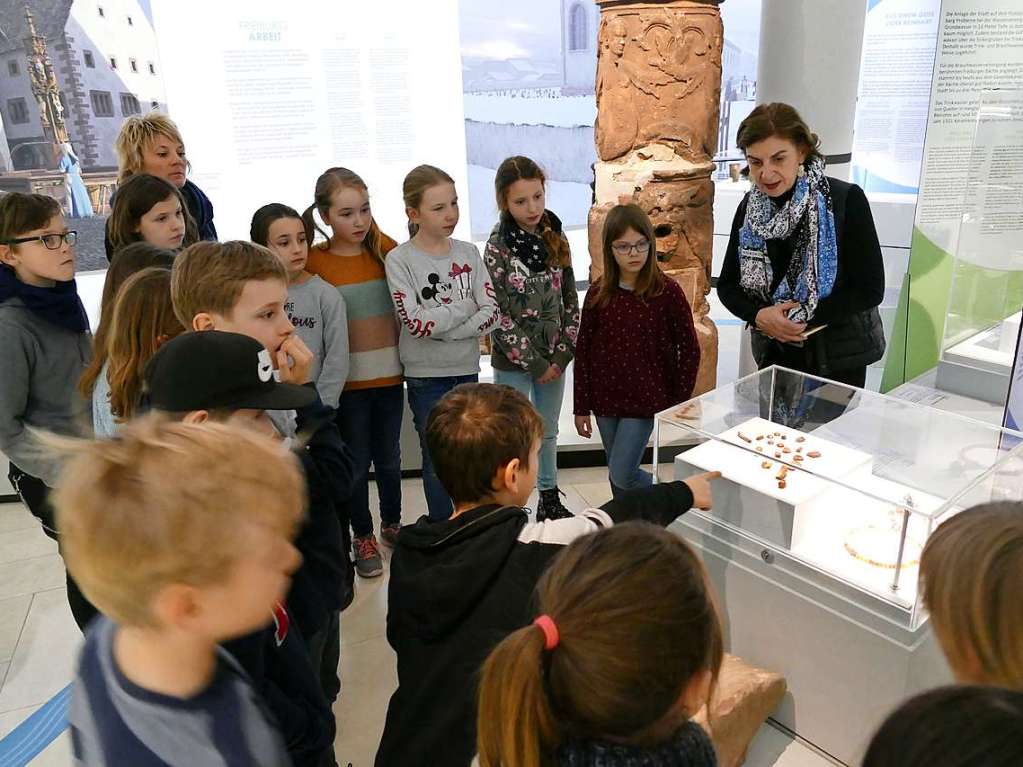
(423, 394)
(370, 424)
(547, 400)
(624, 442)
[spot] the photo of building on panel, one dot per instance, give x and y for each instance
(70, 72)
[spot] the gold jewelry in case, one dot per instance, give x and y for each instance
(879, 547)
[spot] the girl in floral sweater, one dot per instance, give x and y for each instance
(530, 263)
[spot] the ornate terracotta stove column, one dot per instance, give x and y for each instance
(658, 96)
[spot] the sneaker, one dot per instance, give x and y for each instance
(551, 507)
(389, 534)
(368, 563)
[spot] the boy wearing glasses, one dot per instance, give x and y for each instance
(44, 347)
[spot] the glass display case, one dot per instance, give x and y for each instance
(838, 486)
(982, 321)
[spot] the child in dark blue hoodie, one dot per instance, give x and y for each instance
(460, 585)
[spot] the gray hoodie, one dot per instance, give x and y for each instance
(40, 364)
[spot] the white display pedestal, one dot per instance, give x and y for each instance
(980, 366)
(848, 660)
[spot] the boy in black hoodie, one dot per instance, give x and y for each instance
(460, 585)
(228, 376)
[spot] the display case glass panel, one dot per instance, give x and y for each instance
(846, 483)
(982, 322)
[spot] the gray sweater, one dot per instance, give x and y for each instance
(317, 311)
(40, 364)
(444, 304)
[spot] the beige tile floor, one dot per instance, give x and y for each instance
(39, 640)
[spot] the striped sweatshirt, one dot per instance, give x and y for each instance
(372, 326)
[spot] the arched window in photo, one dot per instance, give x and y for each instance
(578, 33)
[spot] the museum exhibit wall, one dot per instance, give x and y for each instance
(458, 85)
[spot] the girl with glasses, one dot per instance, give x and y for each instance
(637, 352)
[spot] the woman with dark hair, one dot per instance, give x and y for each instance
(803, 254)
(952, 727)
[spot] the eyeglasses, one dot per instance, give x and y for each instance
(51, 241)
(624, 248)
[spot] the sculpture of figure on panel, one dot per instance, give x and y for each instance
(653, 73)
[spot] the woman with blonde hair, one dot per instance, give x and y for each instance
(152, 144)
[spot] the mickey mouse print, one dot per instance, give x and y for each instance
(440, 300)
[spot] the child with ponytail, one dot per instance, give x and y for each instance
(529, 259)
(460, 585)
(315, 308)
(372, 403)
(619, 660)
(445, 302)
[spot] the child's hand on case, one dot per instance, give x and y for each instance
(294, 361)
(703, 499)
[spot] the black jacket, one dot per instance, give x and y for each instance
(277, 660)
(458, 587)
(199, 206)
(854, 336)
(324, 583)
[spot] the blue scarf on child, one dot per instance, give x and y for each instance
(809, 216)
(59, 305)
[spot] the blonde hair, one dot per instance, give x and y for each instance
(418, 180)
(971, 570)
(130, 526)
(137, 132)
(143, 320)
(210, 276)
(637, 621)
(328, 184)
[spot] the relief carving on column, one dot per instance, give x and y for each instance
(658, 93)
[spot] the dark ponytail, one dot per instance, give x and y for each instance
(515, 725)
(309, 222)
(263, 219)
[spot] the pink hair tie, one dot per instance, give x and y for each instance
(550, 631)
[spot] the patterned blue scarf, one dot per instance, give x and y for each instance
(808, 215)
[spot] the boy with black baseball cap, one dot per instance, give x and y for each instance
(229, 377)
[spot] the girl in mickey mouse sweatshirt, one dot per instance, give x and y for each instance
(444, 299)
